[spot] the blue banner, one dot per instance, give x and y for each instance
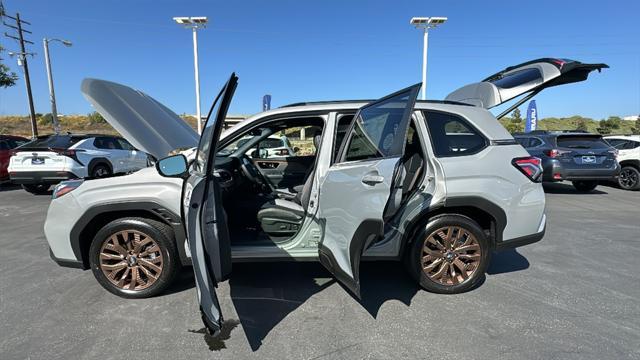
(266, 102)
(532, 117)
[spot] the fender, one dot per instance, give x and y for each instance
(157, 211)
(495, 211)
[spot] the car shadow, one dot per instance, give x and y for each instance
(9, 187)
(263, 294)
(567, 189)
(507, 261)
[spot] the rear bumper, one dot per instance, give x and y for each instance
(521, 241)
(67, 263)
(555, 171)
(40, 177)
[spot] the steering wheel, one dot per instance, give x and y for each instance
(252, 173)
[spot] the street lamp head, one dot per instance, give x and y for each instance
(66, 43)
(427, 22)
(191, 21)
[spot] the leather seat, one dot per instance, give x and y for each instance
(281, 218)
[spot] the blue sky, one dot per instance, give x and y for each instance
(319, 50)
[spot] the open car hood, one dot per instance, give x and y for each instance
(530, 77)
(143, 121)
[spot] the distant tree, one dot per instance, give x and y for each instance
(581, 125)
(613, 122)
(95, 118)
(636, 129)
(517, 116)
(7, 77)
(46, 119)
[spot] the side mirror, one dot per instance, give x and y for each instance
(296, 149)
(173, 166)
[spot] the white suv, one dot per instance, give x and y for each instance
(51, 159)
(628, 147)
(436, 184)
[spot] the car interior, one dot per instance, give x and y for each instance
(265, 199)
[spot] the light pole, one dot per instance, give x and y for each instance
(426, 23)
(195, 23)
(52, 93)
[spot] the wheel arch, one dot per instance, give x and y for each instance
(96, 217)
(632, 162)
(491, 218)
(98, 161)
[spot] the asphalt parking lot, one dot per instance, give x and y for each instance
(575, 295)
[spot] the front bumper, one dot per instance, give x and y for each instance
(40, 177)
(62, 215)
(555, 171)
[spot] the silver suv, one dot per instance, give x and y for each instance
(436, 184)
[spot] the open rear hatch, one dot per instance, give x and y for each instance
(527, 78)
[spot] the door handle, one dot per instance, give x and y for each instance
(372, 179)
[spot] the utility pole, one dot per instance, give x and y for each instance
(22, 61)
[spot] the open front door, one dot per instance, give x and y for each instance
(363, 187)
(204, 216)
(530, 77)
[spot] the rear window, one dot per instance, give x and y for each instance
(270, 143)
(518, 78)
(54, 142)
(453, 136)
(581, 142)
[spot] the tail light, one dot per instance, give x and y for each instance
(615, 153)
(66, 187)
(530, 166)
(72, 153)
(282, 152)
(554, 153)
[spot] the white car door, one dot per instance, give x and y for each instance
(363, 188)
(204, 217)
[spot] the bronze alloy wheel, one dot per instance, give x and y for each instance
(450, 255)
(131, 260)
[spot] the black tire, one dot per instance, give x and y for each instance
(163, 237)
(100, 170)
(629, 178)
(37, 189)
(584, 186)
(414, 259)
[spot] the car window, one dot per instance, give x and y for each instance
(581, 142)
(106, 143)
(533, 142)
(452, 136)
(376, 131)
(341, 130)
(4, 145)
(616, 143)
(125, 145)
(524, 141)
(270, 143)
(518, 78)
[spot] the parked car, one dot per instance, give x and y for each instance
(628, 147)
(582, 158)
(7, 144)
(50, 159)
(395, 178)
(273, 146)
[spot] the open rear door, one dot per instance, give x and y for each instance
(529, 77)
(363, 187)
(204, 216)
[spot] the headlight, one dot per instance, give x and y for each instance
(66, 187)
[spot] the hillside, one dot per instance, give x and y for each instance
(94, 123)
(91, 123)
